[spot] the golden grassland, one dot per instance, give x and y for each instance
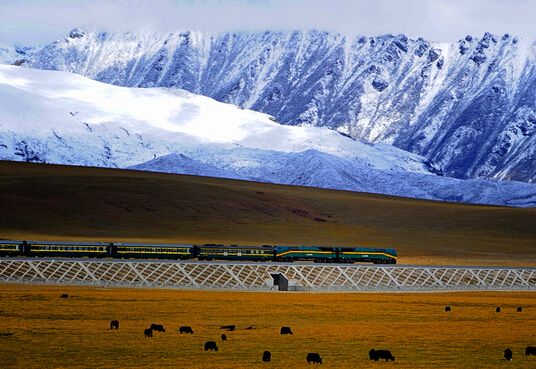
(52, 202)
(50, 332)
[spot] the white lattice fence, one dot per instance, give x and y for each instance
(257, 276)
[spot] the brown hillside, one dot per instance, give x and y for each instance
(53, 202)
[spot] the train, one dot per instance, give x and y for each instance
(208, 252)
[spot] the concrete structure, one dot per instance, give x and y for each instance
(261, 276)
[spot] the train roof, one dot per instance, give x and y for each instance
(215, 246)
(170, 245)
(152, 244)
(31, 242)
(69, 243)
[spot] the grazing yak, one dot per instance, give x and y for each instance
(211, 345)
(186, 329)
(376, 355)
(519, 309)
(508, 354)
(114, 324)
(148, 333)
(530, 351)
(286, 330)
(497, 309)
(313, 357)
(266, 356)
(64, 296)
(224, 337)
(447, 308)
(157, 327)
(229, 328)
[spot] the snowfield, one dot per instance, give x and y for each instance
(43, 102)
(60, 117)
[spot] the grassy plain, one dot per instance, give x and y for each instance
(50, 332)
(52, 202)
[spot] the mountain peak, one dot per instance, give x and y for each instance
(77, 33)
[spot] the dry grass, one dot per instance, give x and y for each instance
(49, 332)
(73, 203)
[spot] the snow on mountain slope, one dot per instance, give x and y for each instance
(316, 169)
(182, 164)
(10, 54)
(468, 106)
(135, 125)
(59, 117)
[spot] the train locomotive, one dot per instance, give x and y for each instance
(209, 252)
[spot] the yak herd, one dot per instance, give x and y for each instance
(312, 357)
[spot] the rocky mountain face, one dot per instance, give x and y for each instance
(468, 106)
(11, 54)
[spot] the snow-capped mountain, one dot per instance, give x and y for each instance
(120, 126)
(59, 117)
(468, 106)
(12, 54)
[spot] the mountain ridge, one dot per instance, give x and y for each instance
(467, 106)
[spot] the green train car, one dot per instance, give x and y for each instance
(148, 251)
(321, 254)
(234, 252)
